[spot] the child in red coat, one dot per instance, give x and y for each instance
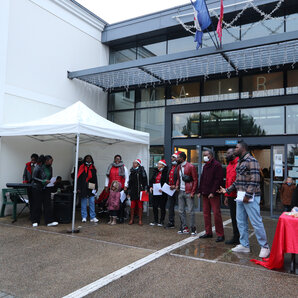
(113, 202)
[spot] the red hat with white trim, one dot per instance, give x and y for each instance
(138, 161)
(163, 162)
(176, 154)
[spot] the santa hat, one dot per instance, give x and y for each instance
(176, 154)
(163, 162)
(138, 161)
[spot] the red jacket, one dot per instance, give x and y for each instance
(189, 170)
(231, 176)
(211, 178)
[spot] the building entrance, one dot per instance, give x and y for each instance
(277, 162)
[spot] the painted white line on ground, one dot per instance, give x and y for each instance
(193, 258)
(133, 266)
(77, 237)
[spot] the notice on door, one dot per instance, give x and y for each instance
(278, 171)
(278, 160)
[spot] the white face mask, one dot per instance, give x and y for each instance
(206, 158)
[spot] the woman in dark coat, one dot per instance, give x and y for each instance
(137, 183)
(87, 187)
(159, 201)
(41, 194)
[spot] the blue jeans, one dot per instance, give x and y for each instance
(91, 207)
(251, 210)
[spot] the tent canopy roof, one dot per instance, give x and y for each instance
(75, 119)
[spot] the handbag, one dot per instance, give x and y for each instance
(185, 178)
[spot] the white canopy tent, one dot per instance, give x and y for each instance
(80, 126)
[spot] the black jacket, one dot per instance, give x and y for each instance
(164, 176)
(83, 189)
(137, 182)
(39, 176)
(294, 202)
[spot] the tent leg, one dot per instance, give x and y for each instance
(75, 185)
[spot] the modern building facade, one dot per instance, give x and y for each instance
(187, 99)
(145, 74)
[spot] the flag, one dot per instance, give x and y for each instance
(219, 24)
(201, 19)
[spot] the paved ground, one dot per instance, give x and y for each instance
(48, 262)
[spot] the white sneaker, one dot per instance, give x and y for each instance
(94, 219)
(34, 225)
(52, 224)
(264, 253)
(241, 248)
(84, 219)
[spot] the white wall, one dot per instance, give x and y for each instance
(40, 40)
(46, 38)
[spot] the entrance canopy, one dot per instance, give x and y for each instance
(258, 53)
(76, 119)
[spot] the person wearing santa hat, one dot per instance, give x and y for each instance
(159, 201)
(137, 183)
(171, 180)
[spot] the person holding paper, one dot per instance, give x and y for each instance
(87, 187)
(159, 177)
(113, 202)
(171, 180)
(41, 194)
(248, 181)
(187, 182)
(137, 183)
(230, 198)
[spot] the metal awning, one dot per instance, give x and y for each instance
(259, 53)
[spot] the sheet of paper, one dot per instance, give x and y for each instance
(167, 189)
(156, 188)
(278, 171)
(241, 195)
(52, 181)
(122, 196)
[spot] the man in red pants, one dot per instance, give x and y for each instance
(211, 180)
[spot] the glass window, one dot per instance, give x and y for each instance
(156, 154)
(292, 162)
(186, 125)
(122, 118)
(185, 93)
(220, 123)
(262, 121)
(262, 28)
(151, 97)
(123, 55)
(151, 50)
(292, 82)
(181, 44)
(292, 119)
(153, 122)
(122, 100)
(226, 89)
(292, 22)
(260, 85)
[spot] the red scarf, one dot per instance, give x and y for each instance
(84, 168)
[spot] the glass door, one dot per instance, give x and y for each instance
(278, 174)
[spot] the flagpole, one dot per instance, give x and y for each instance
(218, 46)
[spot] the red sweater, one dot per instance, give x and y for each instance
(231, 176)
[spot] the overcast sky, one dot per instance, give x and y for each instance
(119, 10)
